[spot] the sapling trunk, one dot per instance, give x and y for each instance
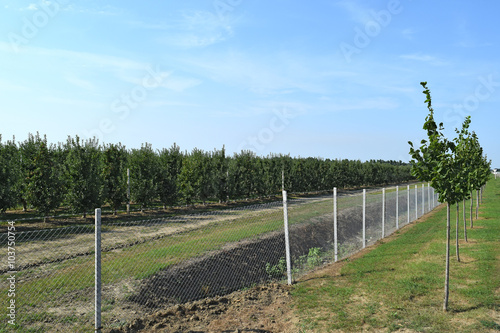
(456, 236)
(447, 273)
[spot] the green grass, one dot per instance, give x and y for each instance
(399, 284)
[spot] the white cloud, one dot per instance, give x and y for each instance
(80, 103)
(277, 74)
(267, 107)
(193, 29)
(82, 59)
(179, 84)
(105, 10)
(378, 103)
(472, 44)
(9, 86)
(166, 103)
(424, 58)
(81, 83)
(357, 12)
(408, 33)
(169, 80)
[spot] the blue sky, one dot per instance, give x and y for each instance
(323, 78)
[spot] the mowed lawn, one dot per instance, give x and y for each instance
(398, 284)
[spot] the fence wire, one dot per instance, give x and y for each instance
(151, 264)
(53, 279)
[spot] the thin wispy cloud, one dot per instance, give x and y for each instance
(408, 33)
(98, 10)
(79, 82)
(49, 5)
(377, 103)
(179, 83)
(70, 102)
(166, 79)
(191, 29)
(419, 57)
(280, 75)
(9, 86)
(358, 13)
(473, 44)
(83, 59)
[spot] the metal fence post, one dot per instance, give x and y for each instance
(433, 197)
(397, 207)
(423, 199)
(335, 243)
(287, 240)
(98, 270)
(408, 204)
(364, 218)
(383, 212)
(416, 202)
(128, 191)
(429, 196)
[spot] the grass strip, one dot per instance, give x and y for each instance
(399, 283)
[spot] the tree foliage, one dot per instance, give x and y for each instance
(42, 181)
(170, 164)
(144, 172)
(83, 175)
(114, 165)
(9, 174)
(453, 167)
(87, 174)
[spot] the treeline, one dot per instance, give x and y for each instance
(83, 174)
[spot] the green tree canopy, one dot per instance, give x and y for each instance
(83, 175)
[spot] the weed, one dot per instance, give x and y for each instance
(276, 271)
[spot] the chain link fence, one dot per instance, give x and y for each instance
(151, 264)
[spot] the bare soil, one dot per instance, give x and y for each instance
(264, 308)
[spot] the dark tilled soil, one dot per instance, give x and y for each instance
(239, 265)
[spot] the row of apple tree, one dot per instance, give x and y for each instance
(83, 174)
